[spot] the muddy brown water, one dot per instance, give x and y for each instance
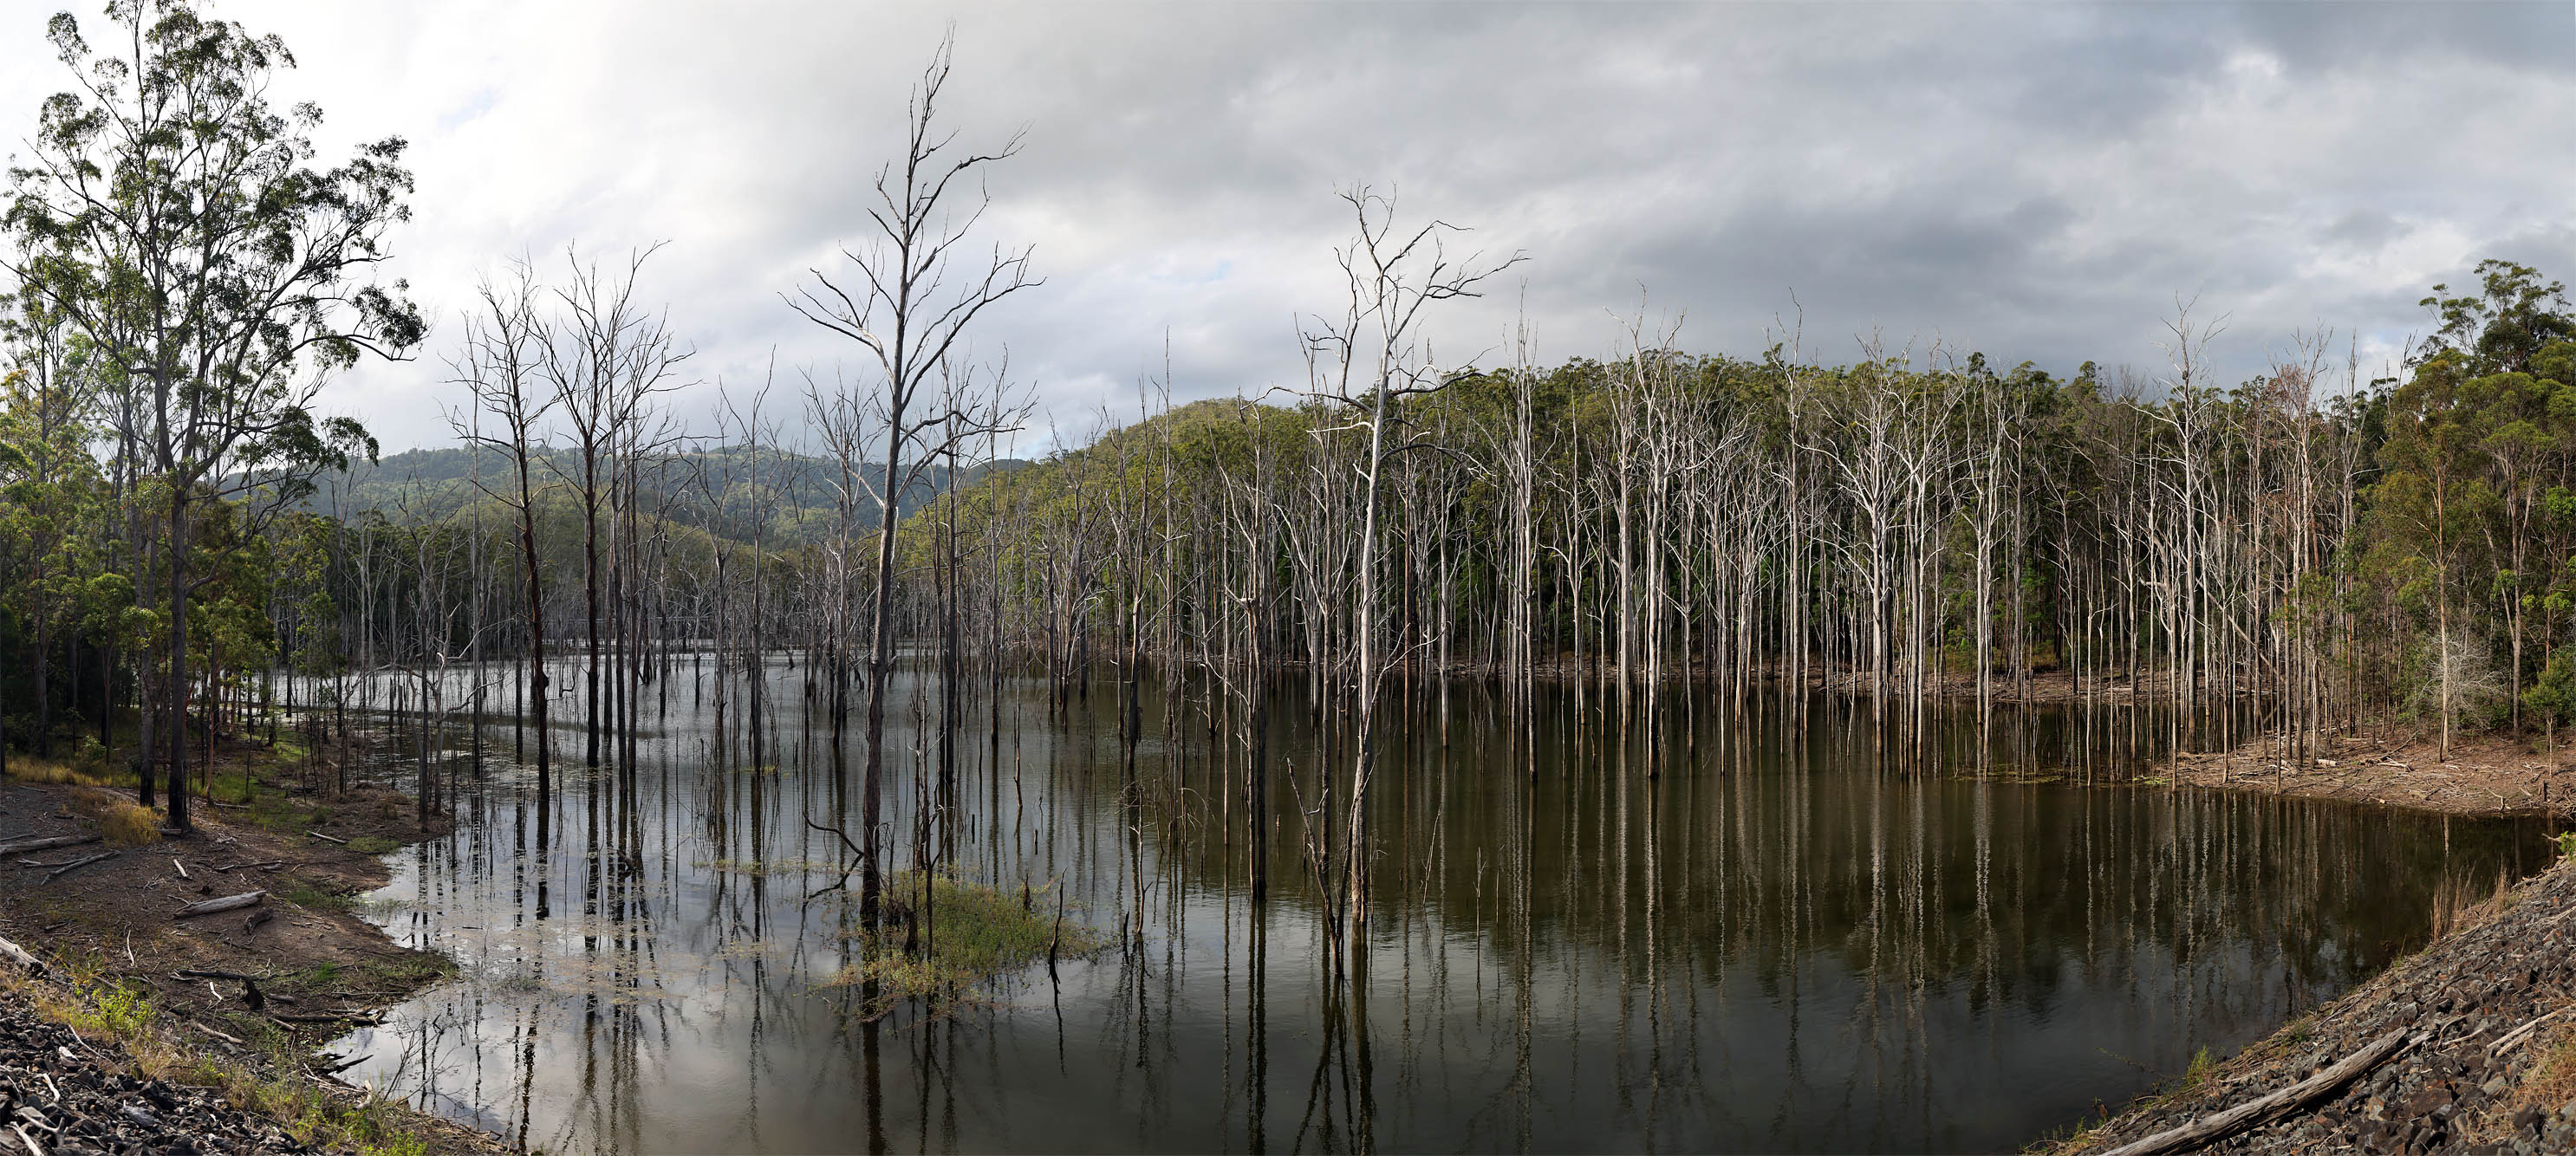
(1741, 931)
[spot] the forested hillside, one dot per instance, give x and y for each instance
(2345, 546)
(441, 483)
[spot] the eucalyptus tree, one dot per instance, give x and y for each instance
(176, 220)
(51, 482)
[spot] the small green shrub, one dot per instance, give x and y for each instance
(122, 1010)
(2202, 1064)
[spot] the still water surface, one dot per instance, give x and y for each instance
(1799, 934)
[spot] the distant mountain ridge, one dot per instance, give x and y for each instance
(717, 489)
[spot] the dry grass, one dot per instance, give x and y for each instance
(2459, 905)
(118, 818)
(2549, 1083)
(30, 769)
(127, 825)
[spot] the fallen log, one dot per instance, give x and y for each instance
(351, 1017)
(182, 868)
(2210, 1128)
(327, 838)
(19, 956)
(227, 903)
(238, 866)
(77, 864)
(47, 843)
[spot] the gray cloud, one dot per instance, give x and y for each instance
(2036, 181)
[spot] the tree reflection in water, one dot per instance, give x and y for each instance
(1788, 931)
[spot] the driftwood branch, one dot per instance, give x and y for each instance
(2514, 1039)
(227, 903)
(77, 864)
(349, 1017)
(2208, 1129)
(836, 832)
(19, 956)
(207, 973)
(46, 844)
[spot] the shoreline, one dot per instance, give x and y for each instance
(2054, 687)
(2466, 1044)
(2485, 776)
(236, 1003)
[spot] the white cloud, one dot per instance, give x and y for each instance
(2034, 181)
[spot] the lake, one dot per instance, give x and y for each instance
(1735, 929)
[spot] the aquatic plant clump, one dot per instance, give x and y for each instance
(942, 935)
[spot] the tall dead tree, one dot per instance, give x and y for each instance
(504, 346)
(910, 298)
(1364, 363)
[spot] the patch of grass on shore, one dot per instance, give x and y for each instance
(31, 769)
(313, 897)
(944, 935)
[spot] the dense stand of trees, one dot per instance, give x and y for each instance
(1666, 531)
(1909, 525)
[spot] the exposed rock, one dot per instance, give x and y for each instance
(79, 1098)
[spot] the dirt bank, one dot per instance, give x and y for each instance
(298, 967)
(2483, 776)
(2468, 1045)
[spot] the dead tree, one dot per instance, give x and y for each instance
(910, 300)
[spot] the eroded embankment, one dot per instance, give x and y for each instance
(2468, 1045)
(233, 1004)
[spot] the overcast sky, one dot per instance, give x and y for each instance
(2036, 181)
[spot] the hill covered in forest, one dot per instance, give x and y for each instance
(723, 489)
